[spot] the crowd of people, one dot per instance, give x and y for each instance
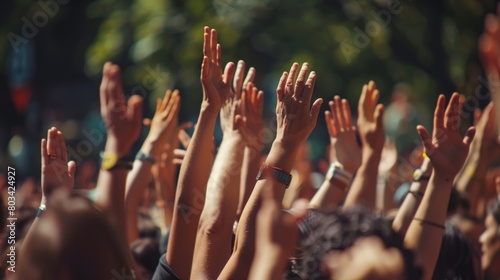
(229, 212)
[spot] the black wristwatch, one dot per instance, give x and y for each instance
(280, 175)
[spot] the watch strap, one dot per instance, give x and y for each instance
(143, 157)
(278, 174)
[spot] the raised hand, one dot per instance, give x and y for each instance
(252, 109)
(344, 146)
(165, 121)
(294, 118)
(123, 119)
(276, 236)
(485, 144)
(447, 149)
(57, 172)
(489, 50)
(216, 86)
(370, 116)
(232, 116)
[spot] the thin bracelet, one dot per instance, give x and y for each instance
(422, 221)
(40, 210)
(415, 193)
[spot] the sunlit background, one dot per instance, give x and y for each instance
(53, 52)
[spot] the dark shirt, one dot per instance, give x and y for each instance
(163, 271)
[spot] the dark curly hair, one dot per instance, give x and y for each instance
(323, 232)
(457, 258)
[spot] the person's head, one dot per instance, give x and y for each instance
(368, 258)
(457, 258)
(25, 216)
(490, 242)
(146, 225)
(146, 253)
(71, 240)
(338, 230)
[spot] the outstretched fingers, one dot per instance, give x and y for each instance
(301, 80)
(452, 113)
(238, 79)
(309, 88)
(347, 114)
(250, 76)
(439, 114)
(62, 145)
(280, 90)
(329, 124)
(315, 111)
(291, 79)
(426, 138)
(339, 113)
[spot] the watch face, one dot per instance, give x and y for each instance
(109, 160)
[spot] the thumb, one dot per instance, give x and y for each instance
(426, 138)
(469, 135)
(379, 114)
(315, 110)
(135, 108)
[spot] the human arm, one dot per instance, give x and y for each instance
(345, 155)
(254, 102)
(194, 172)
(447, 152)
(56, 172)
(277, 235)
(371, 131)
(123, 123)
(412, 200)
(163, 127)
(484, 150)
(213, 246)
(295, 121)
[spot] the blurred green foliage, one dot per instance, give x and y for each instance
(430, 45)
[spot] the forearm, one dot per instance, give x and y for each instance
(470, 181)
(213, 246)
(363, 188)
(473, 169)
(166, 197)
(238, 265)
(425, 238)
(137, 180)
(409, 207)
(111, 189)
(195, 168)
(249, 170)
(329, 195)
(190, 196)
(111, 198)
(412, 200)
(270, 265)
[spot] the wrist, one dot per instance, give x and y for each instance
(442, 180)
(233, 136)
(281, 156)
(114, 145)
(43, 200)
(208, 110)
(426, 167)
(151, 148)
(370, 156)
